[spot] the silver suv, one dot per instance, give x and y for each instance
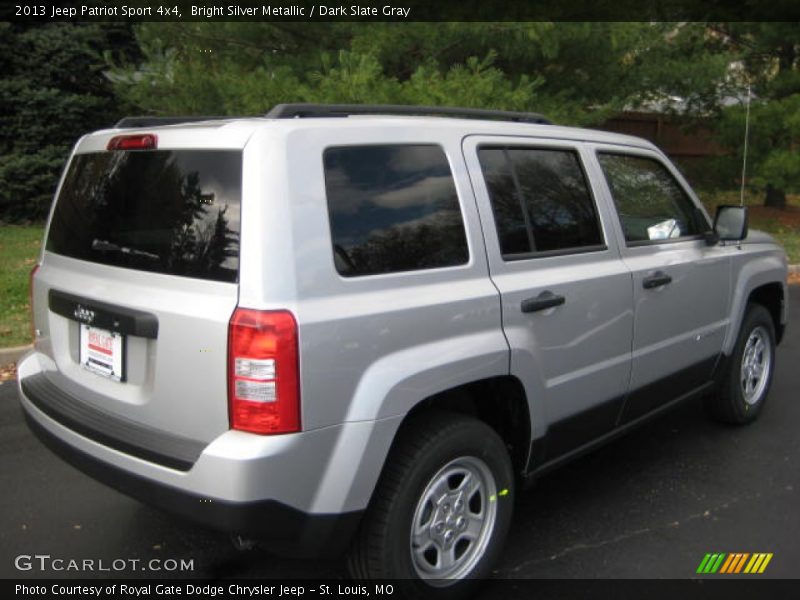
(337, 331)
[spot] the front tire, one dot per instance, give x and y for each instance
(745, 385)
(442, 508)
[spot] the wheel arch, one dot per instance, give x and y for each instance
(763, 281)
(771, 296)
(500, 402)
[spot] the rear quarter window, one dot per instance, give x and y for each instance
(393, 208)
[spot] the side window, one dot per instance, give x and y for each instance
(540, 199)
(393, 208)
(651, 204)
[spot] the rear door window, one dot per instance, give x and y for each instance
(393, 208)
(167, 211)
(540, 200)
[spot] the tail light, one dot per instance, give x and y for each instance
(263, 372)
(30, 299)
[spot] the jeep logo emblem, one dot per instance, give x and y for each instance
(84, 315)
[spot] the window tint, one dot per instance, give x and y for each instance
(393, 208)
(651, 204)
(540, 200)
(173, 212)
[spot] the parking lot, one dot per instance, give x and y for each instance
(649, 505)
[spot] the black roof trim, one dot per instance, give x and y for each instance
(293, 111)
(305, 110)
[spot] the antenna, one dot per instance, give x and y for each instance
(746, 136)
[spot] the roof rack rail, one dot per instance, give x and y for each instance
(293, 111)
(145, 121)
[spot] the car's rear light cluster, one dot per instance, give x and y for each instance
(263, 372)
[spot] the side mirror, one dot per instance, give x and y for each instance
(730, 223)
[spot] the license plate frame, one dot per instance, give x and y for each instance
(102, 352)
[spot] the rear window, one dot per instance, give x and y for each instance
(393, 208)
(168, 211)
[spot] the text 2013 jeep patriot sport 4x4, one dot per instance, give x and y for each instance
(362, 332)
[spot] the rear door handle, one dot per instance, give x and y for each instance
(543, 301)
(655, 280)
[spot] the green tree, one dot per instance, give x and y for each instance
(768, 60)
(576, 73)
(52, 92)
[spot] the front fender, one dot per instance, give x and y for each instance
(750, 273)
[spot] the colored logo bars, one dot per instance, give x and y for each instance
(734, 563)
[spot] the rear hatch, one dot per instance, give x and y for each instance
(139, 280)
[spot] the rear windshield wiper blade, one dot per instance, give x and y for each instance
(106, 246)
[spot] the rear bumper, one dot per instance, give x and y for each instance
(279, 527)
(301, 494)
(159, 447)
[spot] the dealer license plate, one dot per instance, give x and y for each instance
(102, 352)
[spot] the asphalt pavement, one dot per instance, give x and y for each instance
(649, 505)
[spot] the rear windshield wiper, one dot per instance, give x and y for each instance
(106, 246)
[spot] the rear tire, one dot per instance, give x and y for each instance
(441, 510)
(745, 384)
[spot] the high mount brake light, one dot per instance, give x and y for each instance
(139, 141)
(263, 372)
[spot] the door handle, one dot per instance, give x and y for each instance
(655, 280)
(543, 301)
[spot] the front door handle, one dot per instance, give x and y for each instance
(655, 280)
(543, 301)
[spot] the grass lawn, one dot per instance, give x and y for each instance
(19, 249)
